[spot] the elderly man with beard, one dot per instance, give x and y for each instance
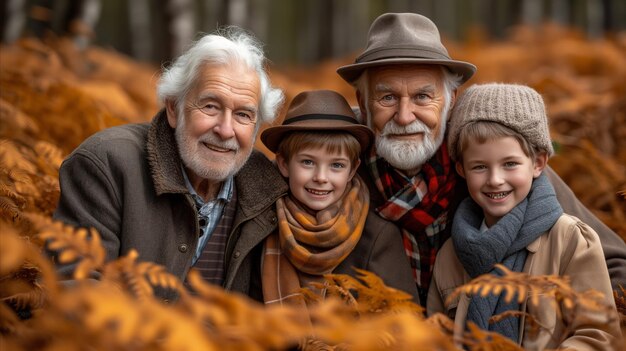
(406, 85)
(186, 190)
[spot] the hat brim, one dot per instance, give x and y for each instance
(271, 137)
(350, 73)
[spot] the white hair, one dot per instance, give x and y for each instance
(227, 45)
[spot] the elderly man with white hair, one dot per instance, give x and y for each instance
(406, 85)
(186, 190)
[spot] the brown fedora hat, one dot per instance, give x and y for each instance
(318, 110)
(404, 38)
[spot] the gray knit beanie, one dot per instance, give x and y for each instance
(518, 107)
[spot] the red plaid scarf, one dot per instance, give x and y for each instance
(419, 206)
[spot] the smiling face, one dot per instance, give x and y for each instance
(499, 174)
(407, 109)
(216, 126)
(317, 178)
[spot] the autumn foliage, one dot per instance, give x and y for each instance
(53, 96)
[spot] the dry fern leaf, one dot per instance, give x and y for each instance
(477, 339)
(140, 278)
(19, 259)
(235, 320)
(108, 318)
(12, 157)
(72, 245)
(372, 295)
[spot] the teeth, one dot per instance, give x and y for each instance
(497, 196)
(317, 192)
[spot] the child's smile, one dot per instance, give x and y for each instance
(498, 174)
(317, 178)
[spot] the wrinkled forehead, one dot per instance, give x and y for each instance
(233, 78)
(427, 74)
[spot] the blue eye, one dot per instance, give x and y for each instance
(245, 118)
(388, 100)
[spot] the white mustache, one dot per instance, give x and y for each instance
(392, 127)
(230, 144)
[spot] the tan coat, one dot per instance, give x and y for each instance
(571, 248)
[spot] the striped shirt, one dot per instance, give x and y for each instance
(210, 212)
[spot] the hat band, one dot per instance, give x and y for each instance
(404, 52)
(318, 116)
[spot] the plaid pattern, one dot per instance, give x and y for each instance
(306, 247)
(211, 261)
(419, 206)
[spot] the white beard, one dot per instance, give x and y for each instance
(409, 155)
(214, 169)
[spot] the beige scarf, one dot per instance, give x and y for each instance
(308, 246)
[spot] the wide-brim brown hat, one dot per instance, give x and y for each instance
(404, 38)
(318, 110)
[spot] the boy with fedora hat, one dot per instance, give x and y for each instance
(499, 138)
(406, 84)
(324, 223)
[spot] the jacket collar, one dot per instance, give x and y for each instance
(163, 157)
(258, 182)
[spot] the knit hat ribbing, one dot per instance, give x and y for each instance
(518, 107)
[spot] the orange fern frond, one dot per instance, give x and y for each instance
(477, 339)
(139, 278)
(372, 295)
(23, 270)
(12, 157)
(8, 208)
(72, 245)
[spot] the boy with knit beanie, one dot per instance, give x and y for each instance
(499, 138)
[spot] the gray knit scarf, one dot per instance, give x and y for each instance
(505, 243)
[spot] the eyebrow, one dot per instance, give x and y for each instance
(382, 88)
(212, 96)
(429, 88)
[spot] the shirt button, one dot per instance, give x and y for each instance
(273, 220)
(182, 248)
(237, 254)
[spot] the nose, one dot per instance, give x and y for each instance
(224, 126)
(320, 175)
(404, 115)
(495, 178)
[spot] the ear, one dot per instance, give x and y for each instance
(355, 166)
(541, 161)
(459, 169)
(362, 106)
(172, 113)
(453, 97)
(283, 167)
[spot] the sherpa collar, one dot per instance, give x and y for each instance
(163, 157)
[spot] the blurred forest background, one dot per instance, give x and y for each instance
(302, 31)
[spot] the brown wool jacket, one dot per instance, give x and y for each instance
(571, 248)
(380, 251)
(127, 183)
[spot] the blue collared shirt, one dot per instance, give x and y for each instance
(210, 212)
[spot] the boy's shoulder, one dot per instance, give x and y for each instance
(375, 223)
(568, 234)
